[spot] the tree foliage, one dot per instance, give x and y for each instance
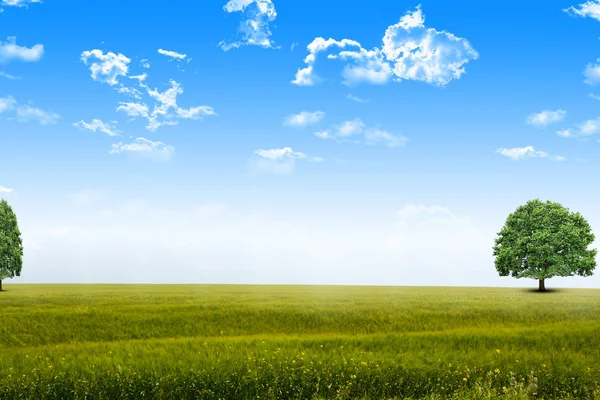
(11, 245)
(542, 240)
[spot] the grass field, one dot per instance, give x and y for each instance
(297, 342)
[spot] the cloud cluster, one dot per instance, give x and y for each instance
(25, 112)
(582, 130)
(410, 51)
(352, 129)
(519, 153)
(165, 111)
(254, 27)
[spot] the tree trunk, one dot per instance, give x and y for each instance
(542, 287)
(0, 285)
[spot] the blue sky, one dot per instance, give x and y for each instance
(291, 142)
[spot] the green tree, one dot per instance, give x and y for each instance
(542, 240)
(11, 245)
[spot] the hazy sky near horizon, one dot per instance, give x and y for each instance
(262, 141)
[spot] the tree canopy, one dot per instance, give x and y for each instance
(11, 245)
(540, 240)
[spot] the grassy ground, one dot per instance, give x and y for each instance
(297, 342)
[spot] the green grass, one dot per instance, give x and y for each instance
(297, 342)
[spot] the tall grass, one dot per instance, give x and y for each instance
(300, 342)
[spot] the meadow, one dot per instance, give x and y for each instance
(297, 342)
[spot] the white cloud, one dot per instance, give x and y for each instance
(594, 96)
(133, 92)
(7, 104)
(377, 136)
(9, 51)
(139, 78)
(17, 3)
(133, 109)
(357, 99)
(304, 118)
(144, 148)
(174, 55)
(592, 73)
(279, 161)
(566, 133)
(278, 154)
(145, 63)
(26, 112)
(589, 9)
(165, 111)
(4, 189)
(106, 67)
(582, 130)
(410, 51)
(98, 126)
(519, 153)
(350, 127)
(546, 118)
(254, 28)
(370, 135)
(425, 54)
(9, 76)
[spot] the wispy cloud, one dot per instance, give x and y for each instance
(9, 76)
(254, 28)
(10, 50)
(357, 99)
(589, 9)
(98, 126)
(17, 3)
(26, 112)
(145, 148)
(279, 161)
(174, 55)
(7, 190)
(519, 153)
(410, 51)
(545, 118)
(304, 118)
(357, 130)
